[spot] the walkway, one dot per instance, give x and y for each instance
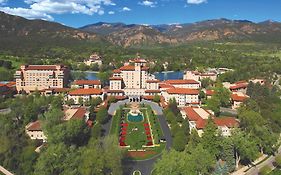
(145, 166)
(254, 170)
(4, 171)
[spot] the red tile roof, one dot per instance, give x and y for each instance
(139, 60)
(116, 71)
(58, 89)
(79, 114)
(11, 84)
(152, 81)
(43, 67)
(201, 123)
(90, 91)
(239, 86)
(236, 97)
(152, 91)
(148, 97)
(34, 126)
(165, 86)
(185, 91)
(132, 68)
(115, 91)
(116, 78)
(230, 122)
(87, 82)
(210, 92)
(181, 82)
(193, 116)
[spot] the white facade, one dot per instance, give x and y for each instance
(132, 80)
(34, 131)
(182, 96)
(85, 94)
(39, 77)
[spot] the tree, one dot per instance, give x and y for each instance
(57, 159)
(104, 77)
(210, 139)
(102, 115)
(102, 157)
(81, 101)
(69, 102)
(205, 82)
(95, 101)
(245, 147)
(156, 99)
(179, 141)
(193, 141)
(199, 161)
(214, 104)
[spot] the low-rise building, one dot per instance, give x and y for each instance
(198, 76)
(94, 59)
(198, 118)
(34, 131)
(183, 96)
(237, 99)
(55, 91)
(76, 113)
(187, 83)
(7, 88)
(30, 78)
(209, 93)
(85, 94)
(85, 84)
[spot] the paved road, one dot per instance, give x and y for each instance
(228, 110)
(145, 166)
(255, 170)
(4, 171)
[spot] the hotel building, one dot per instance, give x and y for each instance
(40, 77)
(133, 80)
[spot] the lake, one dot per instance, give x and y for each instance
(172, 75)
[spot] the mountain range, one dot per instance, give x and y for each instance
(15, 30)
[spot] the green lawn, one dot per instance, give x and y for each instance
(136, 138)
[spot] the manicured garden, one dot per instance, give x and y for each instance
(138, 130)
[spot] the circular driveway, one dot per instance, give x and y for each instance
(144, 166)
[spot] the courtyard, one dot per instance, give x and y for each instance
(139, 131)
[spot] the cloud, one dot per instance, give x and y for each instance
(196, 1)
(111, 12)
(126, 9)
(148, 3)
(26, 13)
(43, 9)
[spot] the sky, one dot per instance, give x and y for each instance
(77, 13)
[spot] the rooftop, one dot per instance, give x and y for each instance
(185, 91)
(181, 82)
(90, 91)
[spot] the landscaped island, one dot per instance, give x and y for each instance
(138, 130)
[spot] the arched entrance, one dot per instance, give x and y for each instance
(134, 99)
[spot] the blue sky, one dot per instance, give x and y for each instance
(77, 13)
